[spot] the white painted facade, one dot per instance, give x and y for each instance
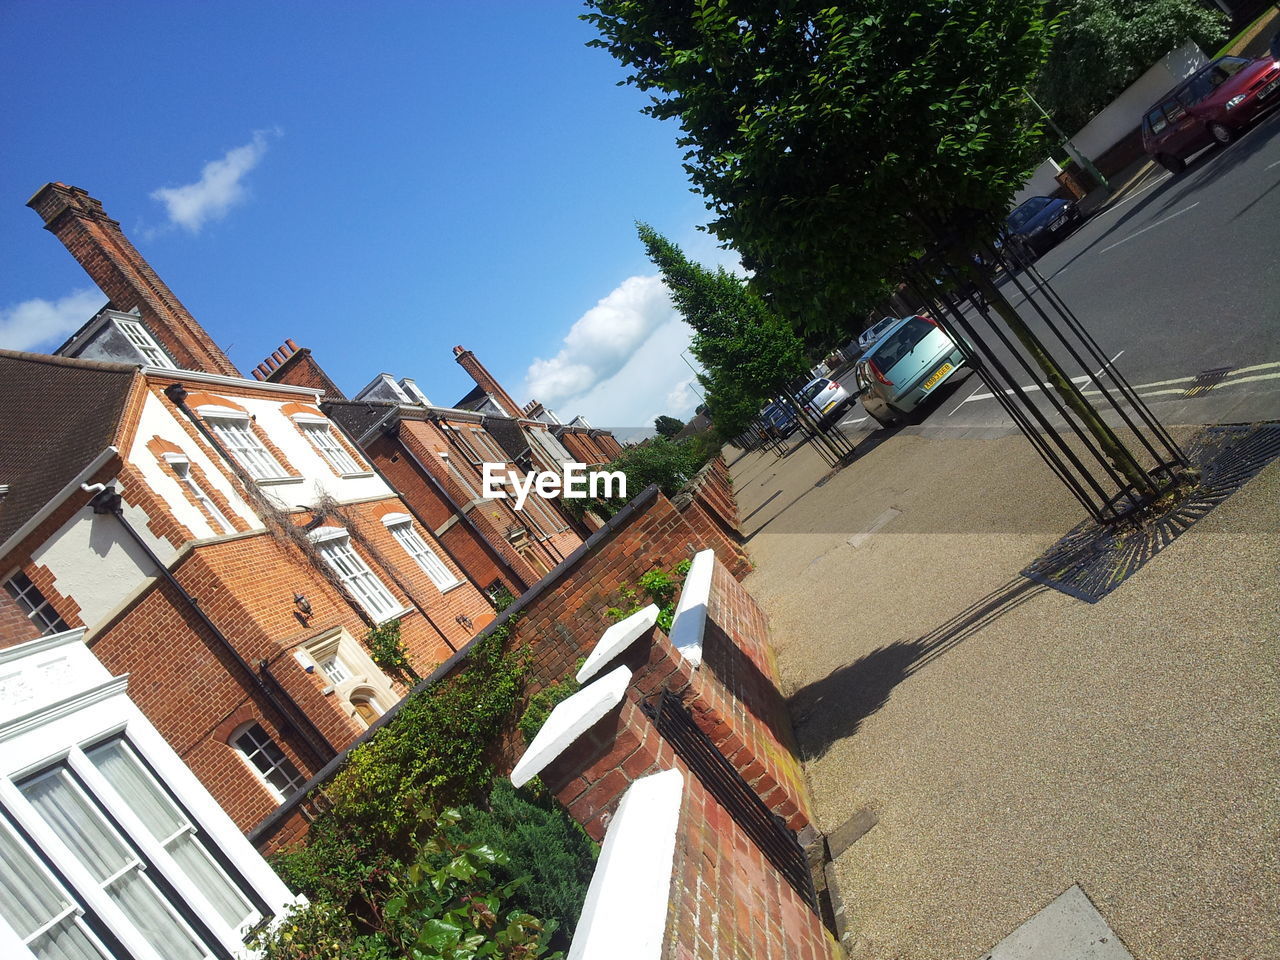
(1123, 114)
(60, 712)
(95, 563)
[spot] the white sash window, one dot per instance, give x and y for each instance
(321, 436)
(239, 440)
(402, 529)
(355, 575)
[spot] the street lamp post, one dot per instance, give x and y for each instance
(1071, 147)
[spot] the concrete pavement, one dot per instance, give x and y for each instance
(1012, 741)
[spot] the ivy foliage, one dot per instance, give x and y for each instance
(449, 903)
(1102, 46)
(545, 700)
(387, 649)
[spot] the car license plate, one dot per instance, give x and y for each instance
(1057, 223)
(1269, 89)
(937, 375)
(828, 406)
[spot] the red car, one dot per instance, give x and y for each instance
(1213, 105)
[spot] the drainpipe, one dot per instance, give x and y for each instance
(107, 501)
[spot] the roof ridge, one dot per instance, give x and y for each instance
(53, 360)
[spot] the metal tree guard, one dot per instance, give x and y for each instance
(1111, 487)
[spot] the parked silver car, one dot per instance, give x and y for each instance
(909, 361)
(825, 397)
(873, 333)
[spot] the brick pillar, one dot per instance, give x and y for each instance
(99, 245)
(295, 365)
(484, 379)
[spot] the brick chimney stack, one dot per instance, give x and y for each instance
(112, 262)
(484, 379)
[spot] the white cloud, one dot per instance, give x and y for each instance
(38, 322)
(219, 188)
(601, 341)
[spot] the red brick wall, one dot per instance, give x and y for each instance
(298, 368)
(726, 898)
(112, 262)
(15, 627)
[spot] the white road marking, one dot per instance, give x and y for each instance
(1038, 387)
(1120, 203)
(845, 423)
(1276, 164)
(966, 399)
(1150, 226)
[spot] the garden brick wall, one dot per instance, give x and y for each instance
(726, 899)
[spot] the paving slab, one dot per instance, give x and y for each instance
(1069, 928)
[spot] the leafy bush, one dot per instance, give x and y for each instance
(659, 587)
(544, 845)
(435, 752)
(446, 904)
(1102, 46)
(667, 463)
(544, 701)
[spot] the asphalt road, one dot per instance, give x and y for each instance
(1180, 277)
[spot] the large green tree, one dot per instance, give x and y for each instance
(832, 141)
(749, 353)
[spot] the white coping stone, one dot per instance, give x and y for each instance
(616, 639)
(568, 721)
(625, 914)
(691, 612)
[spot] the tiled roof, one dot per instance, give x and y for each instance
(58, 415)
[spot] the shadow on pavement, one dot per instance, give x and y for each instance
(833, 708)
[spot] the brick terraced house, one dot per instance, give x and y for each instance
(216, 537)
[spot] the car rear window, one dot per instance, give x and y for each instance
(1156, 121)
(811, 391)
(1203, 84)
(899, 343)
(1026, 212)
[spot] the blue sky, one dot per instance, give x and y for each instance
(378, 181)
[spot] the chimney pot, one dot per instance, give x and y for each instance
(290, 344)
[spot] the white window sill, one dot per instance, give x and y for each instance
(453, 586)
(394, 616)
(278, 481)
(357, 476)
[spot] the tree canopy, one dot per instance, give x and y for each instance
(1102, 46)
(817, 132)
(748, 351)
(667, 426)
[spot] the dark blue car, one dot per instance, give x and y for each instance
(1037, 224)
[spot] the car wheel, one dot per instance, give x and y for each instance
(885, 420)
(1222, 133)
(1172, 164)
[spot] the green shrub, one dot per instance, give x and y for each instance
(386, 648)
(447, 904)
(544, 845)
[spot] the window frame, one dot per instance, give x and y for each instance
(365, 586)
(181, 466)
(140, 339)
(244, 730)
(401, 528)
(363, 680)
(221, 420)
(35, 612)
(336, 455)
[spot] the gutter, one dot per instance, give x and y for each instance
(222, 380)
(58, 499)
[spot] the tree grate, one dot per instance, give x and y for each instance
(1206, 381)
(1093, 559)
